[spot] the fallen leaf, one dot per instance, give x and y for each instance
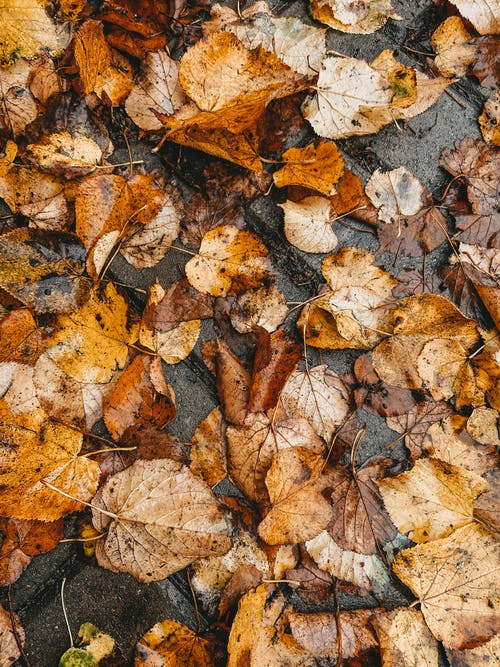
(298, 509)
(360, 18)
(263, 307)
(21, 541)
(432, 499)
(482, 426)
(27, 29)
(317, 166)
(453, 579)
(159, 518)
(376, 396)
(454, 47)
(9, 153)
(318, 395)
(206, 213)
(415, 423)
(404, 638)
(486, 68)
(37, 449)
(174, 344)
(102, 71)
(297, 44)
(395, 193)
(155, 92)
(180, 303)
(9, 649)
(45, 80)
(63, 154)
(489, 120)
(93, 646)
(92, 342)
(170, 642)
(20, 337)
(481, 14)
(18, 108)
(485, 654)
(208, 451)
(43, 269)
(308, 224)
(233, 383)
(229, 261)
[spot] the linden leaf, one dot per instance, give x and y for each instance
(452, 43)
(229, 261)
(35, 450)
(395, 193)
(159, 518)
(170, 642)
(432, 499)
(93, 341)
(308, 224)
(264, 307)
(18, 108)
(454, 579)
(317, 166)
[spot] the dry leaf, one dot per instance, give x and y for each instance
(298, 510)
(485, 654)
(489, 120)
(20, 337)
(317, 166)
(65, 155)
(36, 449)
(92, 342)
(454, 579)
(404, 638)
(308, 224)
(208, 451)
(482, 425)
(26, 29)
(395, 193)
(376, 396)
(432, 499)
(155, 91)
(481, 13)
(140, 396)
(453, 46)
(229, 261)
(360, 18)
(318, 395)
(300, 46)
(263, 307)
(17, 105)
(169, 642)
(9, 649)
(159, 518)
(45, 80)
(180, 303)
(414, 424)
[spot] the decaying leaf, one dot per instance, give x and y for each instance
(404, 638)
(432, 499)
(317, 166)
(395, 193)
(9, 649)
(159, 518)
(65, 155)
(17, 105)
(35, 450)
(308, 224)
(489, 120)
(170, 642)
(208, 455)
(454, 580)
(229, 261)
(354, 17)
(485, 654)
(260, 307)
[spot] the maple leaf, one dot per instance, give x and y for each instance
(317, 166)
(208, 451)
(432, 499)
(21, 541)
(159, 518)
(481, 14)
(360, 18)
(308, 224)
(43, 269)
(9, 648)
(36, 450)
(404, 638)
(92, 342)
(454, 578)
(139, 396)
(228, 261)
(298, 45)
(26, 29)
(170, 641)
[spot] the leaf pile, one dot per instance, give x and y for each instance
(87, 361)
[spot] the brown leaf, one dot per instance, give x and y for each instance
(159, 518)
(489, 120)
(360, 18)
(18, 107)
(486, 68)
(168, 642)
(9, 649)
(263, 307)
(360, 522)
(233, 384)
(140, 396)
(376, 396)
(208, 452)
(404, 638)
(453, 579)
(180, 303)
(317, 166)
(481, 14)
(414, 425)
(485, 654)
(298, 510)
(20, 337)
(204, 214)
(274, 361)
(65, 155)
(21, 541)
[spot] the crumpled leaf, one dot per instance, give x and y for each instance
(43, 269)
(36, 449)
(180, 303)
(298, 509)
(308, 224)
(432, 499)
(317, 166)
(9, 650)
(376, 396)
(159, 518)
(229, 261)
(318, 395)
(26, 29)
(63, 154)
(484, 275)
(141, 395)
(404, 638)
(354, 313)
(454, 579)
(481, 14)
(298, 45)
(395, 193)
(170, 642)
(155, 91)
(360, 18)
(94, 646)
(92, 342)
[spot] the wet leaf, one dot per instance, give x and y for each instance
(317, 166)
(308, 224)
(360, 18)
(208, 452)
(168, 642)
(65, 155)
(404, 638)
(9, 650)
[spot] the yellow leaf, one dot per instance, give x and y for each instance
(317, 167)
